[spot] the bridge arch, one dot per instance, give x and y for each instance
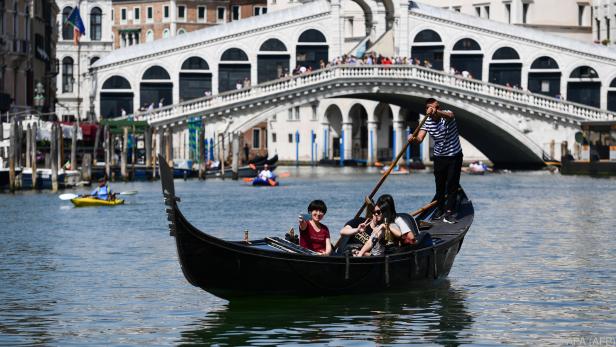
(358, 117)
(428, 44)
(116, 94)
(195, 78)
(506, 67)
(312, 47)
(233, 69)
(332, 131)
(155, 87)
(584, 86)
(466, 55)
(544, 76)
(272, 60)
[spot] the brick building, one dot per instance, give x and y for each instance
(136, 21)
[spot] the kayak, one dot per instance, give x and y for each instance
(84, 202)
(258, 181)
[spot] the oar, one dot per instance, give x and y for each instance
(391, 167)
(247, 179)
(69, 196)
(271, 182)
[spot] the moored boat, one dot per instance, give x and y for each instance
(274, 266)
(89, 201)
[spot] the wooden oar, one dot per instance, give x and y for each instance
(69, 196)
(391, 167)
(247, 179)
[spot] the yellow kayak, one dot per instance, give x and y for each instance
(84, 202)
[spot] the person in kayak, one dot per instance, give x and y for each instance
(266, 174)
(103, 191)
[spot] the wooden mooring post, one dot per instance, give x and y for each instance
(97, 139)
(124, 157)
(74, 147)
(86, 167)
(33, 154)
(107, 152)
(12, 152)
(221, 154)
(147, 142)
(236, 156)
(28, 145)
(60, 152)
(53, 151)
(201, 148)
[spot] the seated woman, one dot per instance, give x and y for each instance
(385, 228)
(356, 225)
(313, 234)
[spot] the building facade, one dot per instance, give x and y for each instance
(27, 55)
(75, 96)
(138, 21)
(570, 18)
(604, 22)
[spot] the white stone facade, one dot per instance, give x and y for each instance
(604, 22)
(78, 97)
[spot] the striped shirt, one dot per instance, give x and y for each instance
(445, 134)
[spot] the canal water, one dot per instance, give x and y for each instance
(537, 267)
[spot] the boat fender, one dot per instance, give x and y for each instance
(347, 267)
(387, 270)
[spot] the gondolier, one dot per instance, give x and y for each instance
(441, 125)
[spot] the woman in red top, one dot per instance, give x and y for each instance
(313, 234)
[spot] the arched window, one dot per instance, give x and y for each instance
(234, 54)
(272, 61)
(466, 45)
(611, 96)
(584, 86)
(428, 48)
(156, 73)
(181, 31)
(195, 63)
(544, 63)
(584, 72)
(96, 23)
(505, 53)
(505, 68)
(195, 79)
(312, 35)
(165, 33)
(273, 45)
(427, 36)
(116, 95)
(116, 82)
(67, 29)
(544, 77)
(466, 56)
(149, 36)
(93, 60)
(67, 75)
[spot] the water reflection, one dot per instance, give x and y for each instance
(429, 315)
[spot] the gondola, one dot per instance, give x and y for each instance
(274, 266)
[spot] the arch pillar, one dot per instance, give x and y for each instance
(347, 128)
(372, 141)
(399, 129)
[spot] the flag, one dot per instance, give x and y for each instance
(74, 19)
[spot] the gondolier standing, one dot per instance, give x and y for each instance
(441, 125)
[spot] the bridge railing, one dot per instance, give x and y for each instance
(267, 91)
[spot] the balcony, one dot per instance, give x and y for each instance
(16, 49)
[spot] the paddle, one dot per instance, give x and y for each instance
(391, 167)
(69, 196)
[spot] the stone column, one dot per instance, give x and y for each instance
(173, 14)
(348, 140)
(372, 142)
(325, 136)
(400, 139)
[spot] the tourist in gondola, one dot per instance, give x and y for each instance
(313, 234)
(103, 191)
(385, 231)
(442, 127)
(356, 225)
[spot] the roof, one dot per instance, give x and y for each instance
(512, 31)
(216, 32)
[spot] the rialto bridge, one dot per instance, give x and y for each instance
(526, 97)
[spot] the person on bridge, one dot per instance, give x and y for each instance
(442, 126)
